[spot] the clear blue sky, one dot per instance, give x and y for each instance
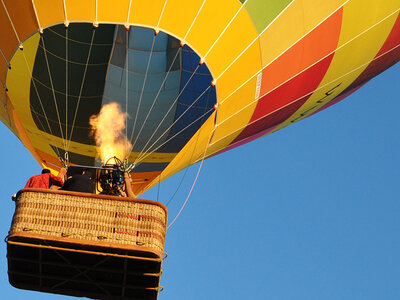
(310, 212)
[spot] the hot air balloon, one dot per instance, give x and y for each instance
(194, 78)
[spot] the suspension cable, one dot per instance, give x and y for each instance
(81, 89)
(143, 157)
(52, 90)
(66, 82)
(194, 20)
(258, 36)
(162, 13)
(166, 114)
(165, 78)
(226, 27)
(12, 24)
(143, 86)
(157, 95)
(176, 120)
(41, 103)
(195, 180)
(30, 71)
(129, 12)
(126, 87)
(186, 170)
(5, 59)
(179, 186)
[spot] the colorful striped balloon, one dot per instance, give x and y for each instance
(196, 77)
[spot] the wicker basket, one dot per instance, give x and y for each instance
(81, 228)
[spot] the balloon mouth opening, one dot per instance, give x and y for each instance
(164, 87)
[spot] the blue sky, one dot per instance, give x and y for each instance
(309, 212)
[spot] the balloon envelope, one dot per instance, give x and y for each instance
(196, 77)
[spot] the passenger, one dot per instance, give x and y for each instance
(45, 180)
(80, 183)
(128, 188)
(128, 184)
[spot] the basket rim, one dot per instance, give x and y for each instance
(97, 196)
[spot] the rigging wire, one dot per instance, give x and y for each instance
(77, 41)
(194, 183)
(54, 95)
(171, 138)
(41, 105)
(162, 13)
(157, 95)
(179, 186)
(12, 25)
(226, 27)
(30, 72)
(185, 173)
(165, 116)
(194, 20)
(5, 59)
(143, 86)
(257, 38)
(129, 12)
(176, 120)
(81, 89)
(126, 85)
(62, 92)
(66, 81)
(158, 188)
(71, 61)
(165, 78)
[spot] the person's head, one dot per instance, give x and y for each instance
(44, 171)
(87, 173)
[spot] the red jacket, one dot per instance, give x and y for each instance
(44, 181)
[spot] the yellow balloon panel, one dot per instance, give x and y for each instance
(108, 13)
(239, 35)
(229, 129)
(49, 12)
(3, 110)
(368, 13)
(19, 80)
(10, 117)
(78, 10)
(243, 68)
(234, 114)
(192, 152)
(210, 23)
(179, 15)
(146, 12)
(24, 137)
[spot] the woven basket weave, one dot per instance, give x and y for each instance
(86, 217)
